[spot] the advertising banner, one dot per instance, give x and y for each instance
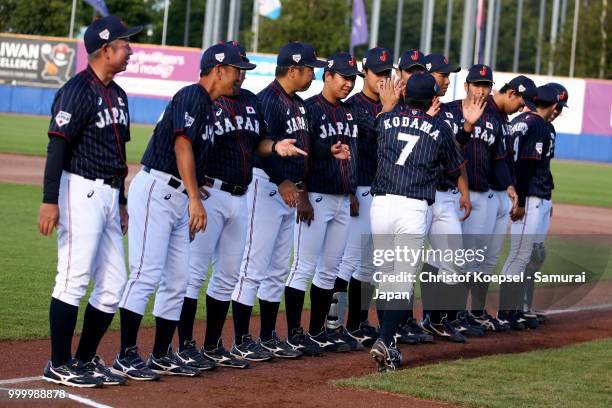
(597, 112)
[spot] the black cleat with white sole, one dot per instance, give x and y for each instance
(170, 364)
(133, 367)
(279, 348)
(250, 350)
(73, 374)
(99, 370)
(192, 357)
(223, 358)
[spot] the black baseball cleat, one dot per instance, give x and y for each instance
(541, 316)
(302, 342)
(133, 367)
(250, 350)
(444, 329)
(337, 335)
(73, 374)
(190, 356)
(170, 364)
(417, 330)
(509, 318)
(346, 337)
(279, 348)
(99, 370)
(366, 335)
(329, 342)
(529, 321)
(472, 327)
(223, 358)
(490, 323)
(387, 358)
(405, 335)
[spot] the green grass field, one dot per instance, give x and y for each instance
(571, 376)
(575, 182)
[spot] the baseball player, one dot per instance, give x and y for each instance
(228, 167)
(538, 254)
(411, 147)
(166, 211)
(452, 205)
(324, 208)
(356, 268)
(534, 149)
(271, 200)
(84, 198)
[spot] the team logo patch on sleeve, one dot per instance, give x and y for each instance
(538, 147)
(250, 110)
(62, 118)
(188, 120)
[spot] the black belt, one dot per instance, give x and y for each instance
(114, 182)
(172, 182)
(234, 190)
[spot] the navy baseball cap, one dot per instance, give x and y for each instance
(422, 87)
(224, 54)
(105, 30)
(241, 48)
(546, 94)
(296, 54)
(410, 59)
(439, 63)
(525, 88)
(378, 59)
(562, 92)
(479, 73)
(343, 63)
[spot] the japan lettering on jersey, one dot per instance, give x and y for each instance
(485, 145)
(411, 147)
(328, 125)
(285, 117)
(189, 114)
(365, 110)
(95, 120)
(534, 143)
(238, 128)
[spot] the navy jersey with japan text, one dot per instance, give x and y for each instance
(456, 124)
(411, 147)
(285, 117)
(534, 141)
(95, 121)
(485, 145)
(502, 117)
(238, 129)
(328, 125)
(188, 114)
(365, 110)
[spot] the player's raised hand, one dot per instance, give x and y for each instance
(390, 92)
(48, 217)
(197, 216)
(287, 148)
(435, 107)
(289, 192)
(465, 204)
(473, 109)
(305, 212)
(340, 151)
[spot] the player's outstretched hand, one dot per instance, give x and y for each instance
(390, 92)
(513, 197)
(340, 151)
(466, 205)
(354, 205)
(123, 218)
(287, 148)
(435, 107)
(197, 216)
(289, 192)
(473, 109)
(305, 212)
(48, 216)
(518, 214)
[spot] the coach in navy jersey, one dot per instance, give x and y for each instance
(324, 209)
(411, 147)
(166, 210)
(83, 198)
(534, 185)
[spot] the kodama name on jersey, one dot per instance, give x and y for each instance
(105, 118)
(412, 123)
(341, 128)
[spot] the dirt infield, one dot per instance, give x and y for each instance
(305, 382)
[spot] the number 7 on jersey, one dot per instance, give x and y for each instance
(411, 141)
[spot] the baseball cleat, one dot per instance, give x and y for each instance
(528, 320)
(471, 326)
(387, 358)
(73, 374)
(170, 364)
(279, 348)
(190, 356)
(330, 342)
(250, 350)
(223, 358)
(99, 370)
(404, 335)
(366, 335)
(303, 343)
(509, 318)
(490, 323)
(414, 328)
(444, 329)
(346, 337)
(133, 367)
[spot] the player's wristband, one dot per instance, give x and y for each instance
(274, 147)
